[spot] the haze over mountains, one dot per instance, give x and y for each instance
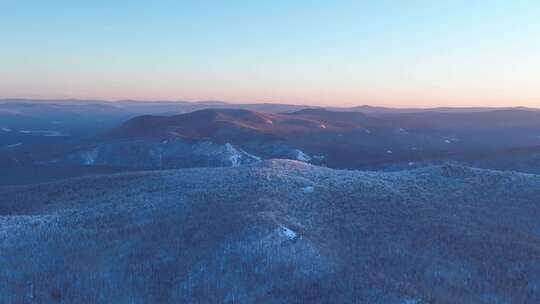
(69, 138)
(178, 106)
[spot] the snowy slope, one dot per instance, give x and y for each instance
(274, 232)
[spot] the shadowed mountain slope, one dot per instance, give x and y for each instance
(495, 119)
(212, 123)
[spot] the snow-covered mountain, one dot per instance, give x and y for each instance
(165, 154)
(274, 232)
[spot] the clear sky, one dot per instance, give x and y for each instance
(392, 53)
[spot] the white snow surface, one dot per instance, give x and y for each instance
(302, 156)
(236, 155)
(47, 133)
(288, 233)
(13, 145)
(89, 157)
(308, 189)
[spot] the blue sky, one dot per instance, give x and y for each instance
(395, 53)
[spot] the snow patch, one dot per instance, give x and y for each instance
(410, 163)
(302, 156)
(288, 233)
(268, 121)
(89, 157)
(323, 126)
(235, 155)
(47, 133)
(318, 157)
(255, 158)
(308, 189)
(389, 151)
(447, 141)
(401, 131)
(14, 145)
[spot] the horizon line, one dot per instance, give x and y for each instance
(363, 105)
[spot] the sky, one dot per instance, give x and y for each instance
(341, 53)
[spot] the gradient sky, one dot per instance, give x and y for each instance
(392, 53)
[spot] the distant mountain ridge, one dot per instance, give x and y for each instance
(210, 123)
(184, 106)
(98, 137)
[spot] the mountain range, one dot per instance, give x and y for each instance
(41, 140)
(209, 202)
